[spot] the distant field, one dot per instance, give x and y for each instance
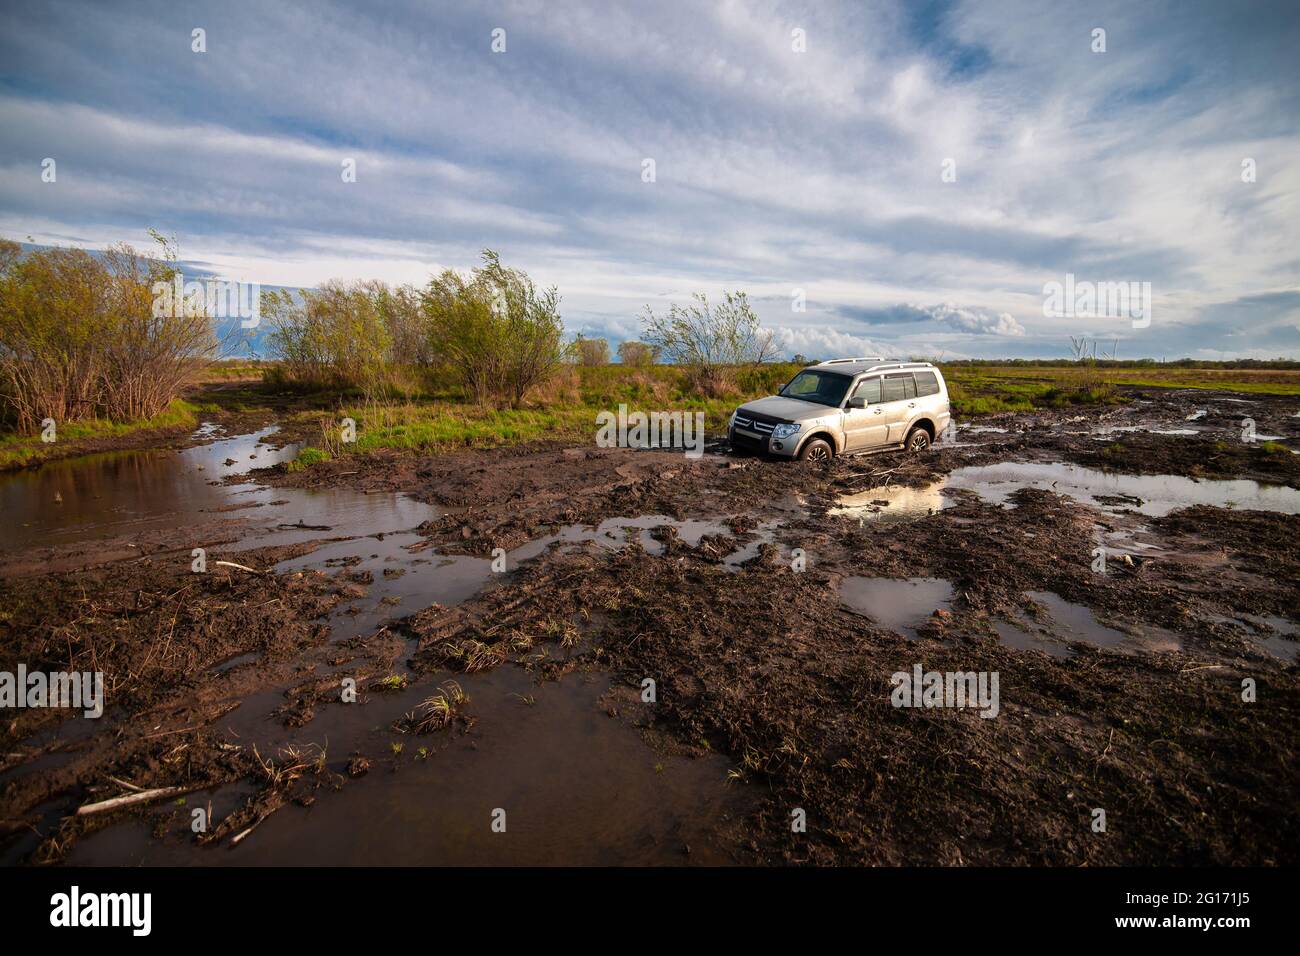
(984, 390)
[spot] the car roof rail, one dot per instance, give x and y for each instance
(851, 361)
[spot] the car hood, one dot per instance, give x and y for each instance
(789, 409)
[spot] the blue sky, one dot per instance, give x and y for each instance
(775, 170)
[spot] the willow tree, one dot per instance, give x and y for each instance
(494, 331)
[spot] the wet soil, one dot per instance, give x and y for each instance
(691, 641)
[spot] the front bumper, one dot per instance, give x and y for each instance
(763, 444)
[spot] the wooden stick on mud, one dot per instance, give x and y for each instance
(232, 564)
(238, 837)
(131, 799)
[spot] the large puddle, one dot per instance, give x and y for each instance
(578, 786)
(1152, 495)
(124, 496)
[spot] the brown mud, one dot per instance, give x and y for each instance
(727, 585)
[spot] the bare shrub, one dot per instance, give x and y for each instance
(150, 353)
(710, 342)
(591, 352)
(81, 335)
(331, 337)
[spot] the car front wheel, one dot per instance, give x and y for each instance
(918, 440)
(816, 450)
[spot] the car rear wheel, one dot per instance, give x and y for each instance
(918, 440)
(816, 450)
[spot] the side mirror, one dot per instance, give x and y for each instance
(781, 388)
(857, 403)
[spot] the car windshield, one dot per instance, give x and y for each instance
(822, 388)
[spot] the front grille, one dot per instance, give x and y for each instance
(755, 424)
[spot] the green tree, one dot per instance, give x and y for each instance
(637, 354)
(494, 331)
(711, 342)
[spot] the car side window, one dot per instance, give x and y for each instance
(894, 388)
(926, 384)
(868, 390)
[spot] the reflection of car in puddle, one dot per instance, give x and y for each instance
(893, 503)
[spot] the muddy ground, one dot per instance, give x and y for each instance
(748, 591)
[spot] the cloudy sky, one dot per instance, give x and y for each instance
(913, 172)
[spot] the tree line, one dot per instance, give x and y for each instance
(81, 336)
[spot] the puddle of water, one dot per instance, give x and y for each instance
(1101, 433)
(1025, 639)
(578, 786)
(230, 663)
(893, 503)
(407, 576)
(101, 497)
(1153, 495)
(1274, 632)
(1074, 622)
(764, 533)
(1159, 494)
(899, 604)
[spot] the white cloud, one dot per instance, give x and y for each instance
(776, 169)
(974, 320)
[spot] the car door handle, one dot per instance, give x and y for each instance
(878, 411)
(911, 404)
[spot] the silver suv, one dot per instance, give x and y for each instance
(846, 406)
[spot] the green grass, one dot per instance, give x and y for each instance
(307, 457)
(1016, 379)
(431, 416)
(18, 451)
(565, 411)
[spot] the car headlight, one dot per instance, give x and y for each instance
(784, 431)
(731, 422)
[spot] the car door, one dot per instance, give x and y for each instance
(898, 404)
(865, 427)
